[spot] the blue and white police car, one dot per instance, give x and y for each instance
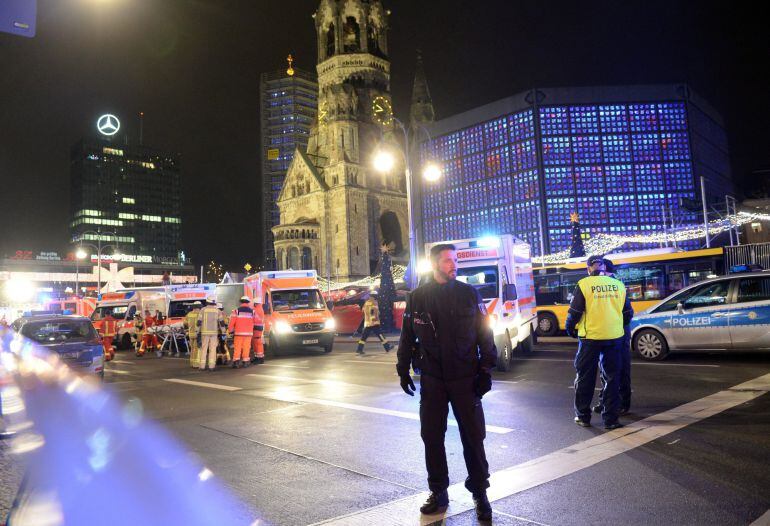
(725, 313)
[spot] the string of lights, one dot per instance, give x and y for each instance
(399, 272)
(606, 243)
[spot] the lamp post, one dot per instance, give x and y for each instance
(98, 247)
(384, 162)
(80, 254)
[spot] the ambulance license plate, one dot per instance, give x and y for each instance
(309, 342)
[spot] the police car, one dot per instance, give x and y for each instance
(725, 313)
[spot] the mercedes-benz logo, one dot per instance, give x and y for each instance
(108, 124)
(309, 326)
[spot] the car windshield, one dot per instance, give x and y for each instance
(483, 279)
(284, 300)
(59, 331)
(179, 309)
(117, 311)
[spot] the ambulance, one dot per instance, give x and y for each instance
(124, 304)
(74, 305)
(500, 268)
(182, 298)
(296, 315)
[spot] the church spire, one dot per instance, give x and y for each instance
(421, 111)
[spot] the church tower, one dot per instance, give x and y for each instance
(336, 210)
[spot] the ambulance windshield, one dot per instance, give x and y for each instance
(117, 311)
(284, 300)
(483, 279)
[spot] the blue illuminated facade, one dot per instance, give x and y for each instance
(620, 157)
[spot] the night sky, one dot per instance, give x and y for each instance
(193, 66)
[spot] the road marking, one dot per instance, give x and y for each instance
(123, 362)
(279, 365)
(376, 410)
(203, 384)
(517, 517)
(364, 360)
(307, 380)
(118, 371)
(566, 461)
(632, 363)
(764, 520)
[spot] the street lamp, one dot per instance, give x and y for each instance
(383, 162)
(98, 247)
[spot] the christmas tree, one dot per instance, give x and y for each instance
(387, 293)
(576, 249)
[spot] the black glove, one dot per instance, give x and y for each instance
(483, 384)
(572, 333)
(408, 385)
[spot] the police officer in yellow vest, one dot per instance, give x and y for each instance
(191, 324)
(599, 310)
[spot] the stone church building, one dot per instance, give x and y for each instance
(336, 210)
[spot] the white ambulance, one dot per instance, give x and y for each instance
(124, 304)
(500, 268)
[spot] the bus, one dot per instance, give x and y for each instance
(649, 276)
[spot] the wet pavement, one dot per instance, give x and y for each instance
(311, 438)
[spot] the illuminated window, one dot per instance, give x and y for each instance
(646, 147)
(128, 201)
(643, 117)
(496, 132)
(521, 126)
(527, 215)
(613, 118)
(678, 176)
(589, 180)
(156, 219)
(649, 177)
(616, 148)
(473, 167)
(672, 116)
(592, 210)
(472, 140)
(477, 195)
(619, 178)
(112, 151)
(559, 210)
(500, 190)
(559, 180)
(525, 186)
(524, 155)
(172, 220)
(584, 119)
(554, 121)
(556, 150)
(498, 162)
(586, 149)
(674, 146)
(123, 215)
(621, 208)
(560, 238)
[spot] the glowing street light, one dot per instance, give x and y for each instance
(431, 172)
(384, 161)
(19, 290)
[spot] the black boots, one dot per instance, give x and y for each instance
(483, 507)
(437, 502)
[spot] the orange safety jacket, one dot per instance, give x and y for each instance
(109, 327)
(242, 321)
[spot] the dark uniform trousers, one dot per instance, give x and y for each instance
(435, 396)
(607, 355)
(624, 372)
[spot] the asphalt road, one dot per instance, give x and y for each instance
(310, 438)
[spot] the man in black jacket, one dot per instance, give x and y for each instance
(446, 337)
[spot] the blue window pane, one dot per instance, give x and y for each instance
(525, 186)
(556, 150)
(672, 116)
(621, 209)
(646, 147)
(650, 207)
(455, 200)
(450, 146)
(584, 119)
(477, 195)
(496, 132)
(643, 117)
(559, 181)
(527, 215)
(678, 176)
(524, 155)
(559, 209)
(674, 146)
(473, 167)
(452, 172)
(586, 149)
(500, 190)
(619, 178)
(559, 238)
(472, 140)
(477, 223)
(616, 148)
(649, 177)
(501, 219)
(613, 118)
(498, 162)
(589, 180)
(521, 126)
(554, 120)
(592, 210)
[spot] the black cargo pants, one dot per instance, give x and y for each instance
(435, 396)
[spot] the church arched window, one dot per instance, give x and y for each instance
(330, 41)
(351, 35)
(373, 39)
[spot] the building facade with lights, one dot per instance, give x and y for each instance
(133, 191)
(288, 105)
(621, 157)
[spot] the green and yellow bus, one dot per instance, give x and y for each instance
(649, 276)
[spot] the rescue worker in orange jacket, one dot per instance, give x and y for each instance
(109, 330)
(259, 327)
(242, 324)
(371, 312)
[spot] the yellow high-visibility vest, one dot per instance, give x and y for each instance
(603, 317)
